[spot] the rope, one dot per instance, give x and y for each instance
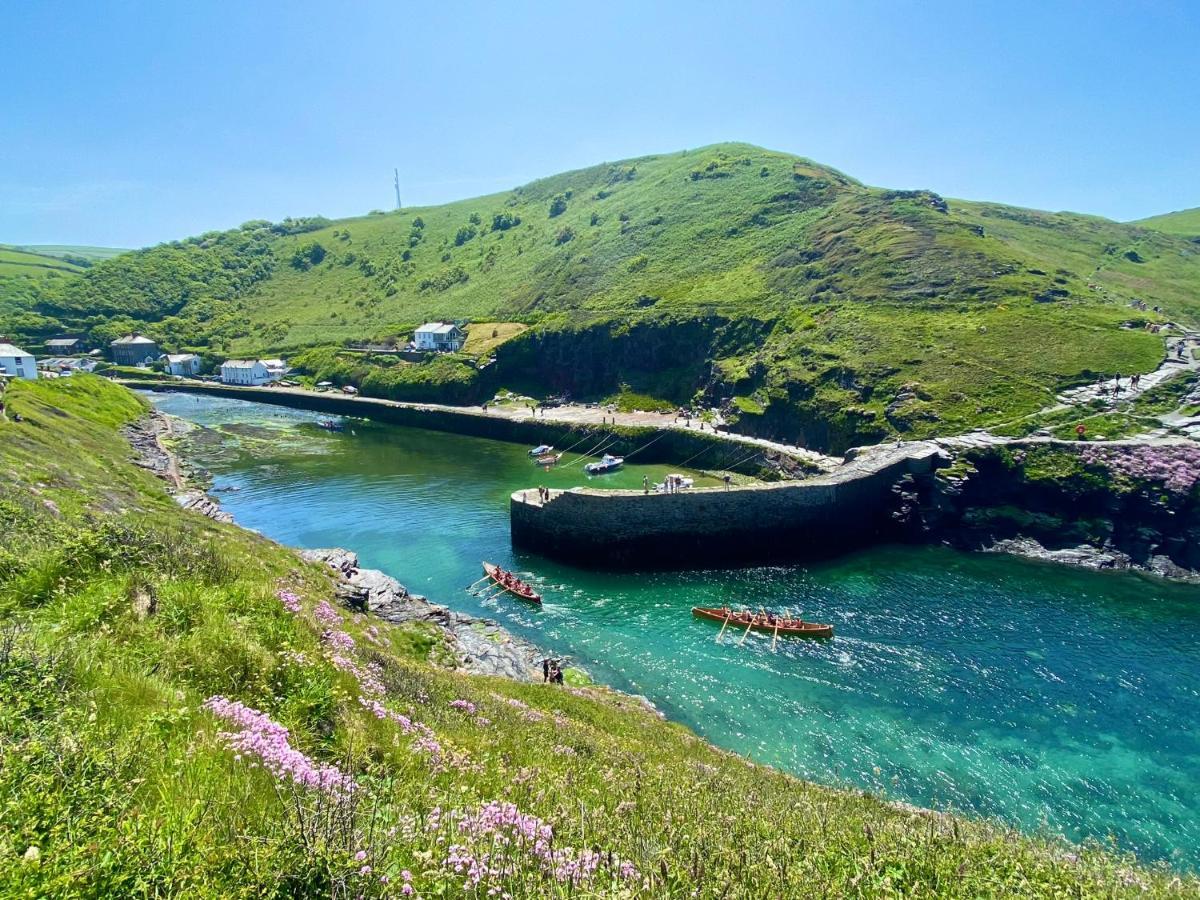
(587, 435)
(694, 455)
(644, 446)
(607, 441)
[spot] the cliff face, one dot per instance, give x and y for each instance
(1102, 506)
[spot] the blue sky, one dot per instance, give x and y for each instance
(132, 123)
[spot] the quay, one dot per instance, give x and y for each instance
(857, 504)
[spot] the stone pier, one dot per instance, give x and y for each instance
(853, 506)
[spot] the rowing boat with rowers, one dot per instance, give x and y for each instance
(786, 625)
(511, 583)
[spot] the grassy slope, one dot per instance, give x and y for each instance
(26, 277)
(840, 295)
(1185, 223)
(112, 772)
(72, 251)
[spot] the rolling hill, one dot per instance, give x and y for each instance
(814, 307)
(1185, 222)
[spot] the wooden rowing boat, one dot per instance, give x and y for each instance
(746, 619)
(512, 584)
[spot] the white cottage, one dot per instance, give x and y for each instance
(439, 336)
(16, 363)
(183, 364)
(245, 371)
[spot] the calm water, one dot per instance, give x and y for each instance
(1042, 695)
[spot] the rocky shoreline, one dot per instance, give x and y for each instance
(479, 646)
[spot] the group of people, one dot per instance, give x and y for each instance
(768, 619)
(552, 672)
(543, 493)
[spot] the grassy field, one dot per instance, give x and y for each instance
(1185, 223)
(71, 252)
(122, 617)
(729, 275)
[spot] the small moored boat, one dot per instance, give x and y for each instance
(332, 425)
(541, 450)
(511, 583)
(787, 625)
(548, 459)
(607, 464)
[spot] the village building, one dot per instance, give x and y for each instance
(66, 365)
(64, 346)
(183, 364)
(246, 372)
(441, 337)
(16, 363)
(134, 350)
(276, 367)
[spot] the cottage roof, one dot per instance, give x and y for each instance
(12, 350)
(181, 357)
(273, 363)
(134, 339)
(239, 364)
(62, 342)
(438, 328)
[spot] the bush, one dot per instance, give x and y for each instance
(567, 234)
(307, 256)
(558, 206)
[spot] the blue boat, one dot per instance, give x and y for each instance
(607, 464)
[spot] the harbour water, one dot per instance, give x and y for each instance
(1048, 697)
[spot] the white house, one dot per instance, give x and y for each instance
(183, 364)
(245, 371)
(276, 367)
(439, 336)
(16, 363)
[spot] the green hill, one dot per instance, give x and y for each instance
(814, 307)
(1185, 223)
(77, 253)
(27, 278)
(150, 660)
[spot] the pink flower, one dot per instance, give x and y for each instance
(365, 870)
(260, 737)
(465, 705)
(325, 613)
(360, 855)
(290, 601)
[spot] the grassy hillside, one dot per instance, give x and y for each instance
(1185, 223)
(132, 633)
(820, 309)
(28, 278)
(72, 252)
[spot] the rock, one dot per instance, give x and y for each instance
(480, 646)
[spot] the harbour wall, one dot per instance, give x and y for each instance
(860, 503)
(670, 445)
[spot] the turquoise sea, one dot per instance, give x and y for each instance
(1048, 697)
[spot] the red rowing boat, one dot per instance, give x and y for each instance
(760, 622)
(511, 583)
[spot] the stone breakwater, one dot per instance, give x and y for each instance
(870, 498)
(479, 646)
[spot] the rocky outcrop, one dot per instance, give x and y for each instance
(479, 646)
(1047, 501)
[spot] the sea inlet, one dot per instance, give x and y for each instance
(1053, 699)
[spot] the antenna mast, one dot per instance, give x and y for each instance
(397, 174)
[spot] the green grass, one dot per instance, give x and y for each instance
(1185, 223)
(690, 277)
(120, 613)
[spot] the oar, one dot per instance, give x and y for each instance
(776, 637)
(747, 632)
(477, 582)
(728, 616)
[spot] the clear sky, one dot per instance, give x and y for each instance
(125, 124)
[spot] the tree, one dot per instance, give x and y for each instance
(558, 206)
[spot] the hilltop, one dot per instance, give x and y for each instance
(189, 709)
(1185, 222)
(813, 307)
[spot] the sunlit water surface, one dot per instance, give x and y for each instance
(1045, 696)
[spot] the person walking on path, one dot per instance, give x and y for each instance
(645, 484)
(727, 479)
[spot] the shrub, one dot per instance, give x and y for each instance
(558, 206)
